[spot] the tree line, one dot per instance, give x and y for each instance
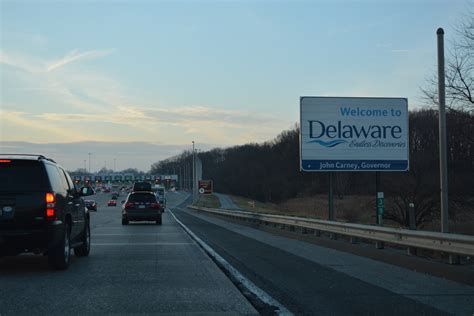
(270, 171)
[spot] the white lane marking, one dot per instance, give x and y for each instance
(140, 234)
(249, 285)
(142, 243)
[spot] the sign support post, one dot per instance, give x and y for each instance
(379, 206)
(331, 198)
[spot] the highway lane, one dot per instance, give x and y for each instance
(309, 279)
(139, 268)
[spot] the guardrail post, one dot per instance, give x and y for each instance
(454, 259)
(411, 216)
(317, 233)
(353, 240)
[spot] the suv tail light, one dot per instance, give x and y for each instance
(155, 205)
(129, 205)
(50, 206)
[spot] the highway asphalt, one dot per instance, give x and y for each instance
(142, 268)
(313, 280)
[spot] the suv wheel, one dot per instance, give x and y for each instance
(59, 256)
(158, 220)
(124, 221)
(84, 249)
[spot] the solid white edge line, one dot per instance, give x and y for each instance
(249, 285)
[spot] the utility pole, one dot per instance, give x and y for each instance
(89, 162)
(443, 166)
(194, 174)
(114, 164)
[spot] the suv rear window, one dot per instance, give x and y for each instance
(142, 197)
(23, 175)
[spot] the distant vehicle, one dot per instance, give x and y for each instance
(91, 205)
(41, 211)
(114, 196)
(141, 206)
(112, 203)
(159, 191)
(142, 186)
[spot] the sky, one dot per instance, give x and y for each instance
(106, 76)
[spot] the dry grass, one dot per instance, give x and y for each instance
(349, 209)
(352, 209)
(211, 201)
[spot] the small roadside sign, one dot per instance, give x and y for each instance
(205, 186)
(380, 203)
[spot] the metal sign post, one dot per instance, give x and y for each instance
(331, 198)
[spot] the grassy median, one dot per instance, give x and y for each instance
(210, 200)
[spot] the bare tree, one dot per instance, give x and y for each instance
(459, 70)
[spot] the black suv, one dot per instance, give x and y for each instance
(41, 211)
(141, 206)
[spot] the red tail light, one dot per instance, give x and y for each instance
(50, 206)
(129, 205)
(155, 205)
(5, 160)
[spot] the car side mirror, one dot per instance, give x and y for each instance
(86, 191)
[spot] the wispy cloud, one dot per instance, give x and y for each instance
(75, 55)
(35, 65)
(185, 116)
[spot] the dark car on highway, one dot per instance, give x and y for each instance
(41, 211)
(141, 206)
(91, 205)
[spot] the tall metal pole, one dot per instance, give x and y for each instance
(443, 166)
(85, 168)
(89, 162)
(114, 164)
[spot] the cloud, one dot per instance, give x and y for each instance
(22, 120)
(92, 106)
(36, 65)
(187, 116)
(31, 65)
(74, 56)
(127, 154)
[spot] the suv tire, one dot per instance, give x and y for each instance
(84, 249)
(59, 256)
(158, 220)
(125, 221)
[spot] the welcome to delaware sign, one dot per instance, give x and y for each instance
(353, 134)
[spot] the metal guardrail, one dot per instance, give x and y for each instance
(448, 243)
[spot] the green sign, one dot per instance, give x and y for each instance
(380, 203)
